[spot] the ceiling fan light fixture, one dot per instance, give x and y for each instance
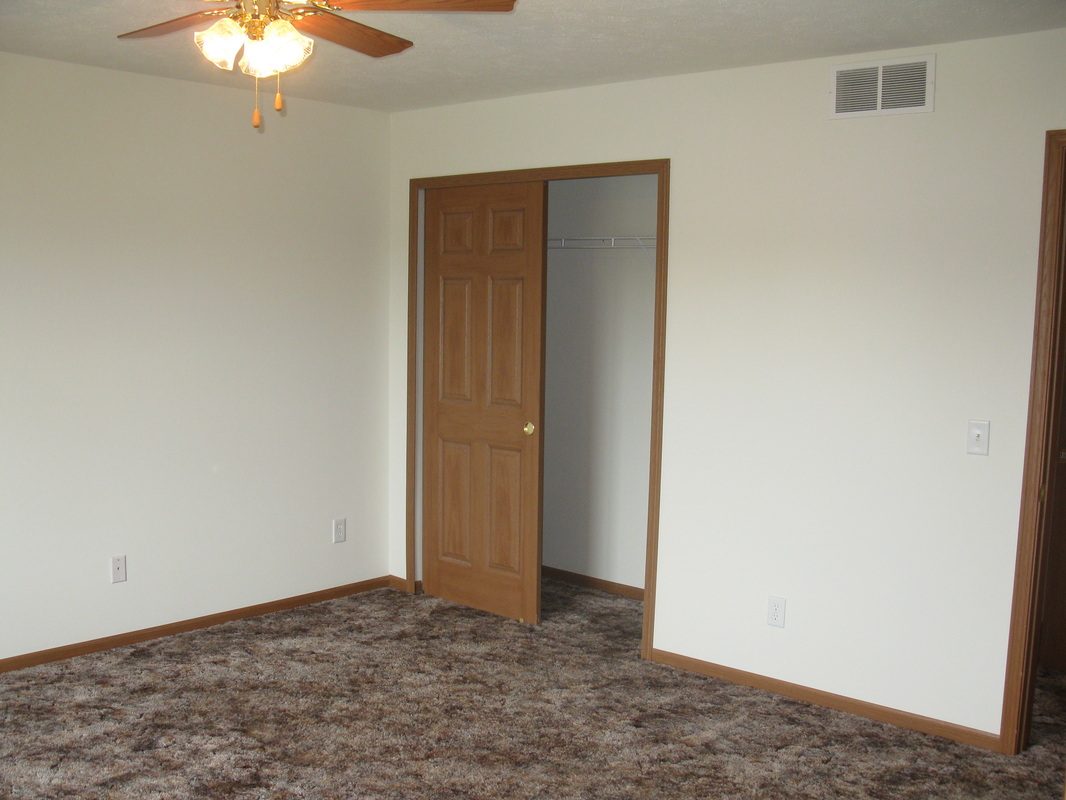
(264, 30)
(220, 42)
(282, 48)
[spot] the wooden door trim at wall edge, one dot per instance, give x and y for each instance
(658, 393)
(1032, 535)
(606, 170)
(659, 167)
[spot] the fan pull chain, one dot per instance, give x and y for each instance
(256, 120)
(278, 102)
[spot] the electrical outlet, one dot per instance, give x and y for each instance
(340, 533)
(775, 612)
(118, 569)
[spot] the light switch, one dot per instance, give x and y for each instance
(977, 437)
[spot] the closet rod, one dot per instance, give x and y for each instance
(600, 242)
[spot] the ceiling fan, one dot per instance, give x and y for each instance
(269, 31)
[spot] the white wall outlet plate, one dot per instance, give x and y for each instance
(775, 612)
(118, 569)
(340, 532)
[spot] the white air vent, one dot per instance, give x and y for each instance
(899, 86)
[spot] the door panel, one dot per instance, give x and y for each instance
(505, 342)
(456, 480)
(484, 307)
(505, 510)
(456, 309)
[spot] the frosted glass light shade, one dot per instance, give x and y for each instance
(220, 42)
(281, 48)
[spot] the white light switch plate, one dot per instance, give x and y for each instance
(977, 437)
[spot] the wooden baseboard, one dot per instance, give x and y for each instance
(159, 631)
(947, 730)
(904, 719)
(632, 592)
(405, 585)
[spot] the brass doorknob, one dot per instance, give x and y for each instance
(529, 428)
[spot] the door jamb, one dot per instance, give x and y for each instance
(1045, 393)
(659, 167)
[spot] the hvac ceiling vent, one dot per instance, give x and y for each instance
(898, 86)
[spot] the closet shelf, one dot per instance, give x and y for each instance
(600, 242)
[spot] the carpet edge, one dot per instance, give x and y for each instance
(13, 663)
(850, 705)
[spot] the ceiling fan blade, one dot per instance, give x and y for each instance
(346, 32)
(424, 5)
(173, 25)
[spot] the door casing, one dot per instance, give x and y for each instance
(1046, 388)
(659, 167)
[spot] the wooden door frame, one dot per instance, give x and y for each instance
(659, 167)
(1045, 393)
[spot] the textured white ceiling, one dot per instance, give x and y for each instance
(542, 45)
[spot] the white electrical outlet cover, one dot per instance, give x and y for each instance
(775, 612)
(340, 532)
(118, 569)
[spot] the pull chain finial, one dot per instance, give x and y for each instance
(256, 119)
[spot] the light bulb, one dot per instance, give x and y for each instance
(281, 48)
(220, 42)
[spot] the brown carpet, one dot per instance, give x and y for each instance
(385, 695)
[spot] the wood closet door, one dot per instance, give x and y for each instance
(483, 354)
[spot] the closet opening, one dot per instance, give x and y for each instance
(604, 285)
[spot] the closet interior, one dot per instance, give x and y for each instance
(598, 375)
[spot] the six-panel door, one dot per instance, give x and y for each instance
(483, 356)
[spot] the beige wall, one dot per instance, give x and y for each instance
(844, 295)
(192, 350)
